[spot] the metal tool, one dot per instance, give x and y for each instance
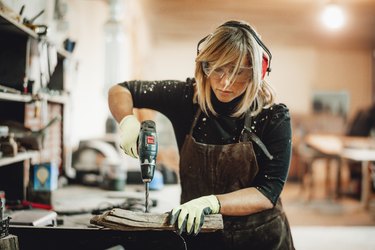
(4, 220)
(27, 138)
(147, 151)
(2, 205)
(40, 29)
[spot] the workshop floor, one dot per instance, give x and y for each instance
(326, 223)
(322, 211)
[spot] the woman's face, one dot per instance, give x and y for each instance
(223, 89)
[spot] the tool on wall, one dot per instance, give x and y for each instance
(147, 150)
(26, 137)
(40, 29)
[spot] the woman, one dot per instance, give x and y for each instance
(234, 141)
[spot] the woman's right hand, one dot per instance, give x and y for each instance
(129, 132)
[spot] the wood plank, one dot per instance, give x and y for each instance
(126, 220)
(9, 242)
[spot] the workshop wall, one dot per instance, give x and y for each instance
(89, 102)
(89, 96)
(297, 70)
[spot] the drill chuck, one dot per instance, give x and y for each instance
(147, 171)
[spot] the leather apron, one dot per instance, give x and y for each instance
(217, 169)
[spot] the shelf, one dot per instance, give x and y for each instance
(62, 99)
(19, 157)
(15, 97)
(12, 26)
(19, 42)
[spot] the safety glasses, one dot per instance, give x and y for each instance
(242, 75)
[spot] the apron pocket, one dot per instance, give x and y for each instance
(268, 236)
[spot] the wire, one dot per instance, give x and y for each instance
(183, 240)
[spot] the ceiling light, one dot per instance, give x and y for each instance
(333, 16)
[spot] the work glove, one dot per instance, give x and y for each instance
(129, 132)
(191, 214)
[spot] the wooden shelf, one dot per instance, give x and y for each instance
(19, 40)
(62, 99)
(19, 157)
(15, 97)
(11, 25)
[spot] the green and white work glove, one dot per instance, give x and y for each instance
(191, 214)
(129, 132)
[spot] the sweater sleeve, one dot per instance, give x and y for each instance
(172, 98)
(167, 96)
(276, 135)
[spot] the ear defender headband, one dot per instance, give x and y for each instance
(266, 61)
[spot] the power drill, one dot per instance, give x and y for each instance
(147, 151)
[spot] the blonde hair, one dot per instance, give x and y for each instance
(230, 44)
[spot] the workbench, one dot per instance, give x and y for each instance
(74, 205)
(345, 148)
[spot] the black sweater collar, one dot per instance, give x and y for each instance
(225, 108)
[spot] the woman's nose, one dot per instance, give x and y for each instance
(224, 81)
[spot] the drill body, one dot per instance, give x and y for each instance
(147, 151)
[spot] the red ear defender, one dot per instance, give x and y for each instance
(264, 66)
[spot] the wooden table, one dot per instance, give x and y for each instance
(361, 149)
(78, 233)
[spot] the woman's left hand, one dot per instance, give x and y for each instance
(191, 214)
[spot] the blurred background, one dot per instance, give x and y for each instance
(310, 59)
(323, 69)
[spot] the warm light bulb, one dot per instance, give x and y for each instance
(333, 16)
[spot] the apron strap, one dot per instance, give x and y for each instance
(248, 135)
(197, 114)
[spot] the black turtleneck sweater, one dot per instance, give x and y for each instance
(174, 99)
